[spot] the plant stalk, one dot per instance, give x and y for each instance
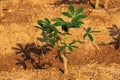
(65, 63)
(64, 57)
(95, 45)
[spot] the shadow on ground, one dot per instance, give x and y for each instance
(115, 34)
(31, 53)
(59, 2)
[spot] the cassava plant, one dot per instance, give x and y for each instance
(56, 37)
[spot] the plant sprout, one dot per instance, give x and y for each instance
(55, 37)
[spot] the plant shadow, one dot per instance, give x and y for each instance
(59, 2)
(115, 34)
(70, 2)
(31, 53)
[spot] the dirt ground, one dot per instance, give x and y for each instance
(17, 32)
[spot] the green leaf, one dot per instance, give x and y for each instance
(71, 8)
(58, 23)
(57, 38)
(78, 11)
(85, 35)
(49, 30)
(82, 15)
(39, 27)
(70, 49)
(62, 47)
(68, 24)
(57, 19)
(55, 29)
(44, 35)
(50, 35)
(75, 46)
(64, 44)
(80, 41)
(40, 22)
(47, 20)
(45, 39)
(77, 18)
(52, 42)
(66, 14)
(90, 37)
(45, 26)
(88, 29)
(73, 42)
(78, 23)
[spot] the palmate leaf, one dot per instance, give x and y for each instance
(44, 35)
(59, 23)
(55, 29)
(71, 8)
(62, 47)
(90, 37)
(73, 42)
(77, 24)
(82, 16)
(40, 22)
(57, 19)
(85, 35)
(39, 27)
(45, 39)
(49, 30)
(66, 14)
(44, 25)
(77, 18)
(80, 42)
(75, 46)
(78, 11)
(64, 44)
(70, 49)
(51, 35)
(52, 42)
(47, 21)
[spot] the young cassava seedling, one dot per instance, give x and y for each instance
(56, 37)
